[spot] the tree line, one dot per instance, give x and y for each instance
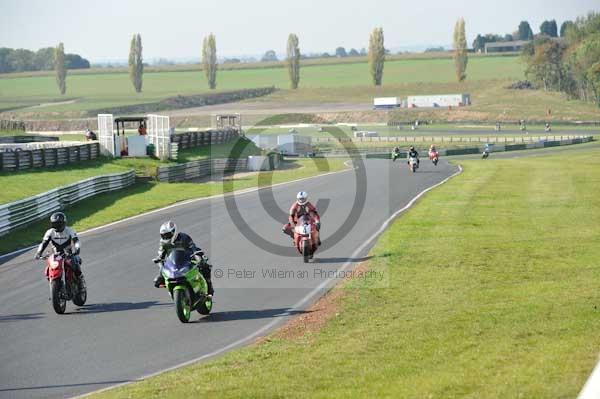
(524, 32)
(209, 59)
(22, 60)
(376, 59)
(340, 52)
(571, 64)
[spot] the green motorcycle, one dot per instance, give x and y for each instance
(186, 285)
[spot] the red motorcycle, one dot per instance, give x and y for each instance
(434, 157)
(71, 288)
(304, 237)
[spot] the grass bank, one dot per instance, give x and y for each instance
(486, 298)
(145, 196)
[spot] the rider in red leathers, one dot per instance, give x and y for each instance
(299, 208)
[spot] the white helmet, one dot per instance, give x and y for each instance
(168, 232)
(302, 198)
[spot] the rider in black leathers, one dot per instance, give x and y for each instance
(412, 153)
(171, 239)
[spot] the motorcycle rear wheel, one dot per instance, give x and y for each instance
(59, 303)
(205, 307)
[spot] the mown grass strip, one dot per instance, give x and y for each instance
(493, 293)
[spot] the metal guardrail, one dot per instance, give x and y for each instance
(22, 212)
(48, 157)
(494, 148)
(340, 152)
(201, 168)
(445, 139)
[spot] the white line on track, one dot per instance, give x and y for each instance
(298, 305)
(591, 389)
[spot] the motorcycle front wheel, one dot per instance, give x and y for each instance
(183, 304)
(81, 296)
(59, 303)
(306, 250)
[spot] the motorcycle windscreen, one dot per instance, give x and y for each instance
(179, 259)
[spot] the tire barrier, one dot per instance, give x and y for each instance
(50, 156)
(202, 168)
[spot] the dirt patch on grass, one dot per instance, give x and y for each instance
(315, 317)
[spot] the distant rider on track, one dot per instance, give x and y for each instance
(412, 153)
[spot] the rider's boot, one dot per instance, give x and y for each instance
(205, 269)
(159, 280)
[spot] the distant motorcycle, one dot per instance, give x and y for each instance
(434, 157)
(412, 164)
(73, 287)
(395, 155)
(186, 285)
(485, 154)
(303, 237)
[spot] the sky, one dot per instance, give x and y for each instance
(174, 29)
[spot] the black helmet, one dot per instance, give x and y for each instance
(58, 221)
(412, 148)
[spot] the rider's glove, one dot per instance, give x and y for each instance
(318, 225)
(37, 255)
(157, 260)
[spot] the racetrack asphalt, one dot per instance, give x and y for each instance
(128, 329)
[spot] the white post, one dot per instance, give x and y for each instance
(159, 134)
(106, 135)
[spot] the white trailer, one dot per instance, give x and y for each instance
(439, 100)
(386, 102)
(364, 133)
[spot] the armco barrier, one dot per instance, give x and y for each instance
(445, 139)
(202, 168)
(495, 148)
(22, 212)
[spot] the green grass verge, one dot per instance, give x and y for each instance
(4, 133)
(486, 299)
(145, 196)
(23, 184)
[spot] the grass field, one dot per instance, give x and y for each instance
(305, 62)
(145, 196)
(486, 299)
(92, 91)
